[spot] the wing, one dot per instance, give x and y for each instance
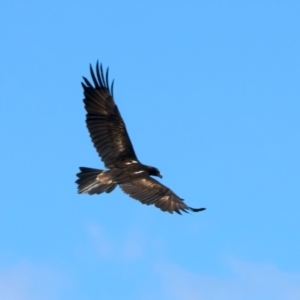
(104, 122)
(149, 191)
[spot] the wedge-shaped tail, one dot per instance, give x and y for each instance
(94, 181)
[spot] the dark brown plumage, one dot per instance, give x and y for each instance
(111, 140)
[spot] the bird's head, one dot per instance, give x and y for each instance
(154, 172)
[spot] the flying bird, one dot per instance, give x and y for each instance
(111, 140)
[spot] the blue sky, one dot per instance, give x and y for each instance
(210, 92)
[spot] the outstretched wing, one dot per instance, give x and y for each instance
(104, 122)
(149, 191)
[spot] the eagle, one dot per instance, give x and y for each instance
(111, 140)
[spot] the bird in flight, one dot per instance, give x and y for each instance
(111, 140)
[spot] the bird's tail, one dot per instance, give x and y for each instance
(94, 181)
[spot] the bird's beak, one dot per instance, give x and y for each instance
(160, 175)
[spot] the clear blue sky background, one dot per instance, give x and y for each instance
(210, 94)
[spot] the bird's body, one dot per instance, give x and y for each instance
(111, 140)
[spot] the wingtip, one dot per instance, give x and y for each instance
(197, 209)
(112, 87)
